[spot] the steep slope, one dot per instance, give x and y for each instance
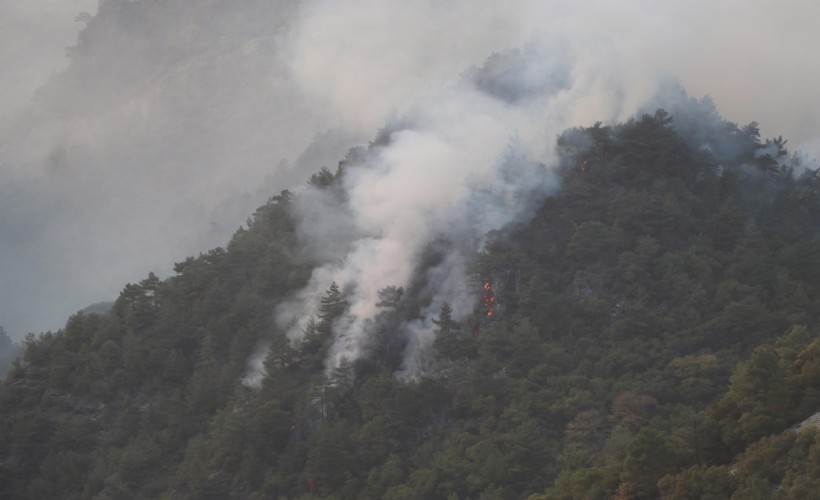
(650, 331)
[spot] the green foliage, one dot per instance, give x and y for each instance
(713, 483)
(451, 342)
(655, 336)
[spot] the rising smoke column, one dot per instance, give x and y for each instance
(470, 158)
(175, 119)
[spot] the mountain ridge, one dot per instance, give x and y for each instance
(645, 306)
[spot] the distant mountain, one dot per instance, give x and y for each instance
(172, 122)
(650, 331)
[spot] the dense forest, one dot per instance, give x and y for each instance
(651, 332)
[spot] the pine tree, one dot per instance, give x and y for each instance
(332, 306)
(448, 334)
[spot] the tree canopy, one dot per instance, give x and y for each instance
(654, 334)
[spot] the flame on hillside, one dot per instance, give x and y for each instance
(489, 300)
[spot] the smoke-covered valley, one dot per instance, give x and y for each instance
(173, 120)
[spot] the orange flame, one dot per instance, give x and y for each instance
(489, 299)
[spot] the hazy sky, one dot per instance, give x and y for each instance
(159, 142)
(33, 37)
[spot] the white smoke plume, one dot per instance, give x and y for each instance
(173, 120)
(465, 159)
(430, 181)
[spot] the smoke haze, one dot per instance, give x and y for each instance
(33, 38)
(173, 120)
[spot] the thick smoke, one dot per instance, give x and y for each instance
(462, 161)
(172, 123)
(174, 119)
(33, 35)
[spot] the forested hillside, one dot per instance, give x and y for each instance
(651, 332)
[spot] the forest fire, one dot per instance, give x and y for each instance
(489, 299)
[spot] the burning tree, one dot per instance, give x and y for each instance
(489, 300)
